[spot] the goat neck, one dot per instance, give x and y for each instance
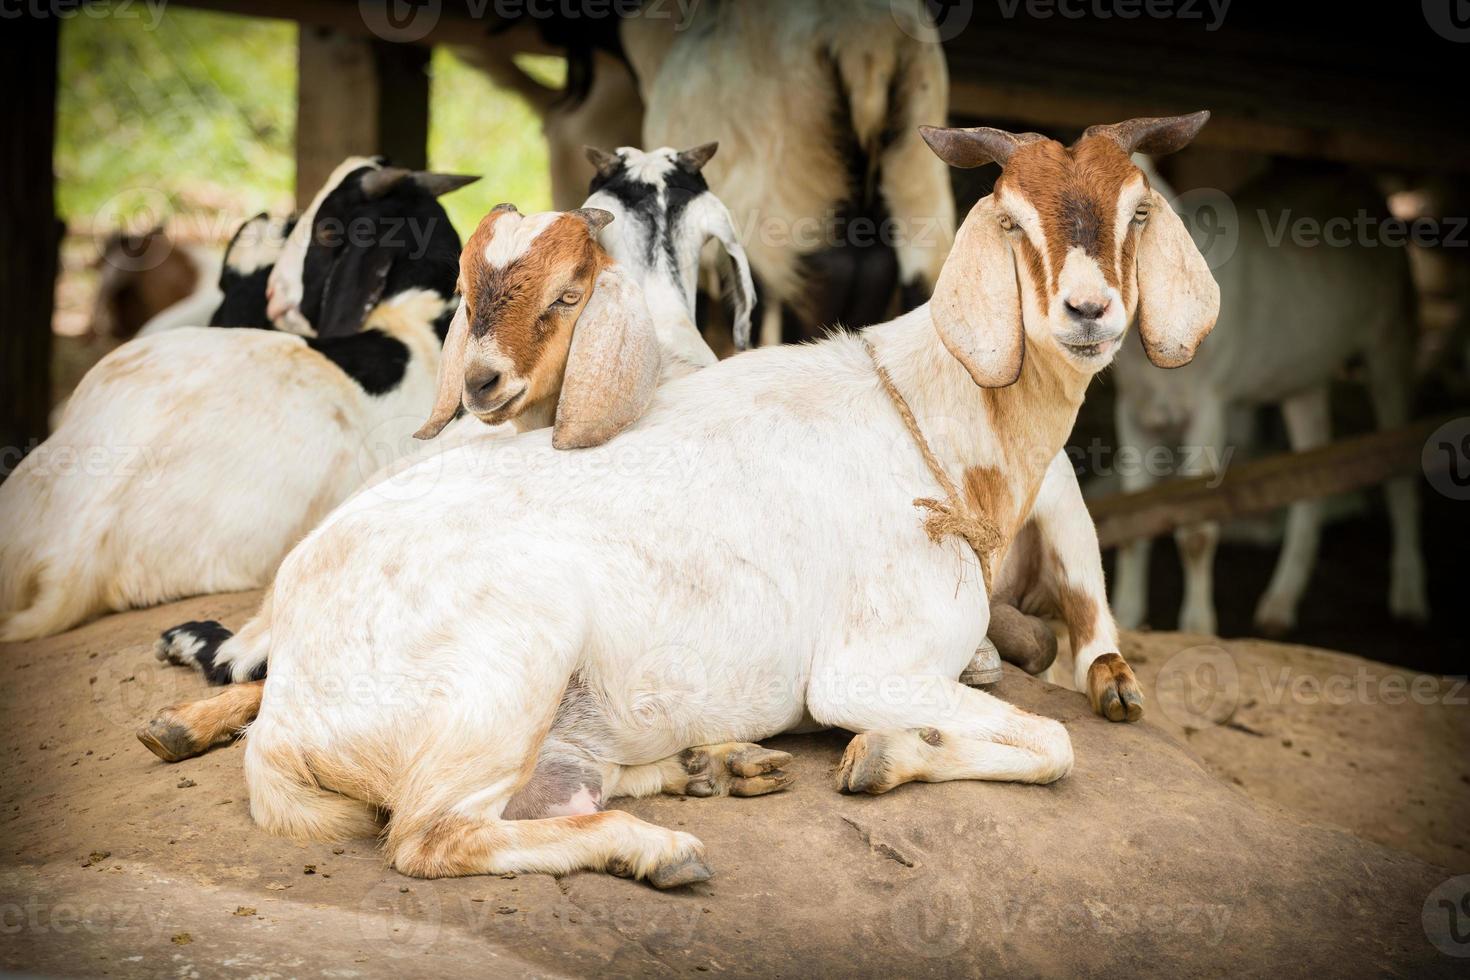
(996, 443)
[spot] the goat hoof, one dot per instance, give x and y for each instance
(689, 870)
(1113, 690)
(169, 740)
(984, 668)
(735, 769)
(866, 766)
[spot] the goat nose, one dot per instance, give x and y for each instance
(1089, 308)
(486, 383)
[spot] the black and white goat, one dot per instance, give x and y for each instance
(191, 461)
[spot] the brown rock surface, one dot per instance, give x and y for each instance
(1143, 860)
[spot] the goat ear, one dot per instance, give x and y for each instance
(612, 367)
(604, 162)
(741, 283)
(1178, 298)
(354, 286)
(694, 159)
(451, 374)
(596, 218)
(977, 303)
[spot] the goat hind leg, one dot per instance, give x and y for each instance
(1307, 426)
(619, 843)
(1389, 381)
(190, 728)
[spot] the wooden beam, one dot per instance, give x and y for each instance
(1265, 485)
(30, 232)
(1327, 138)
(357, 96)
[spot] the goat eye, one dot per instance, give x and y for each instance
(1140, 214)
(1007, 222)
(569, 298)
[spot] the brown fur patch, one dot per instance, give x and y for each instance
(1078, 609)
(1075, 193)
(511, 302)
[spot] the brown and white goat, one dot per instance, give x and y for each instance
(603, 620)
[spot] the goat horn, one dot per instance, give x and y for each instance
(1155, 135)
(696, 157)
(604, 162)
(975, 146)
(451, 374)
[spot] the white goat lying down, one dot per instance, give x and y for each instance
(661, 213)
(1294, 315)
(191, 461)
(603, 619)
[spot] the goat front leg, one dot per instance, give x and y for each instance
(928, 728)
(1130, 583)
(221, 656)
(1070, 578)
(1204, 443)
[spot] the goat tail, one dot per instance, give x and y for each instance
(287, 800)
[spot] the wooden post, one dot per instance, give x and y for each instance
(30, 233)
(357, 96)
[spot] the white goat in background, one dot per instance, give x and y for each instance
(602, 620)
(191, 461)
(1293, 313)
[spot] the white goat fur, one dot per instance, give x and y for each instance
(1292, 316)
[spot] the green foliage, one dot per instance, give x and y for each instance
(195, 116)
(476, 128)
(197, 112)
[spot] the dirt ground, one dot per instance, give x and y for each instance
(1280, 810)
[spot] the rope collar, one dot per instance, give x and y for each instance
(952, 515)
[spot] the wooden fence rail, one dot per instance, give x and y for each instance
(1264, 485)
